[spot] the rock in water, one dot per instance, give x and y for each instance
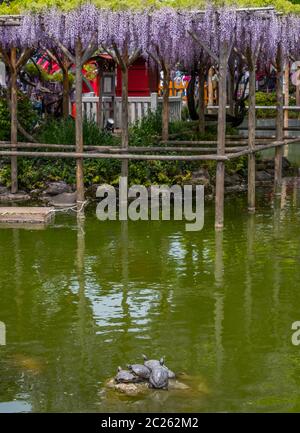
(56, 188)
(18, 197)
(63, 200)
(263, 176)
(132, 389)
(175, 384)
(4, 190)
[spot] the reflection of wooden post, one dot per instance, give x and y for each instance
(124, 279)
(286, 100)
(279, 119)
(283, 193)
(219, 263)
(219, 303)
(2, 334)
(251, 131)
(248, 283)
(220, 174)
(79, 125)
(14, 120)
(295, 192)
(81, 282)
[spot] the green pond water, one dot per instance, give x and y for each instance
(79, 300)
(292, 153)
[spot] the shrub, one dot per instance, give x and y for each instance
(35, 172)
(62, 131)
(28, 117)
(269, 99)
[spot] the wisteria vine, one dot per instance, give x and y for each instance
(166, 30)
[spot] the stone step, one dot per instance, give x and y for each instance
(32, 215)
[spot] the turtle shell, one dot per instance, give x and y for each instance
(125, 376)
(152, 363)
(171, 373)
(140, 370)
(159, 378)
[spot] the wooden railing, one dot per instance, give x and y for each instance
(138, 107)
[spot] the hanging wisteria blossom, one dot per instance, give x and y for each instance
(166, 31)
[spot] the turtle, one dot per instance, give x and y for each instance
(125, 376)
(159, 377)
(171, 373)
(139, 370)
(151, 363)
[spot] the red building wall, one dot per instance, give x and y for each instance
(141, 80)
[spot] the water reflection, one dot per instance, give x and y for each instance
(219, 304)
(250, 263)
(82, 297)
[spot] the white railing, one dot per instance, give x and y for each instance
(138, 107)
(262, 107)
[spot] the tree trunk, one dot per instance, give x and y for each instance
(66, 91)
(279, 119)
(14, 120)
(79, 126)
(201, 124)
(165, 108)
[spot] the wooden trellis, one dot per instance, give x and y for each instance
(220, 151)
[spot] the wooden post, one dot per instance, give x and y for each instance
(14, 119)
(125, 61)
(251, 130)
(165, 107)
(286, 100)
(154, 102)
(231, 85)
(100, 105)
(79, 126)
(220, 174)
(279, 119)
(201, 111)
(298, 87)
(286, 92)
(66, 88)
(125, 117)
(210, 88)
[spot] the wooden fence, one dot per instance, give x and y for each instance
(138, 107)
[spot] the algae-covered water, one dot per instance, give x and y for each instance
(78, 300)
